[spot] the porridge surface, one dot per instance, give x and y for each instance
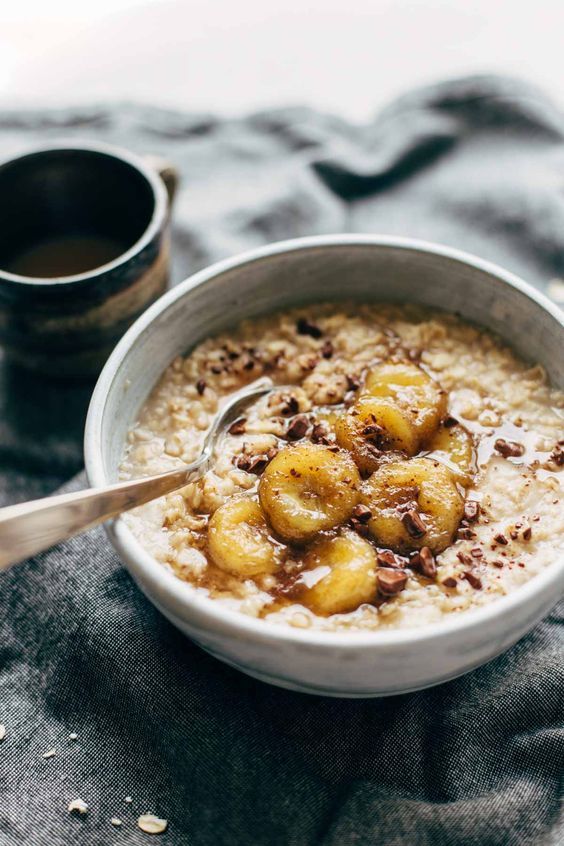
(504, 482)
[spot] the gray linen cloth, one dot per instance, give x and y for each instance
(476, 163)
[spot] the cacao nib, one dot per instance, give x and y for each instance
(386, 558)
(391, 582)
(362, 513)
(471, 510)
(327, 349)
(473, 579)
(424, 561)
(509, 449)
(413, 523)
(297, 428)
(305, 327)
(238, 426)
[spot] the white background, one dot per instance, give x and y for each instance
(345, 56)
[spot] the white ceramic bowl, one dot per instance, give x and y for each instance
(323, 268)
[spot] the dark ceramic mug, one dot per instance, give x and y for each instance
(84, 249)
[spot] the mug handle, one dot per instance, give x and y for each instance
(167, 172)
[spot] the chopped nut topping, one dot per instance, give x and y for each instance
(305, 327)
(386, 558)
(353, 382)
(297, 427)
(471, 510)
(509, 449)
(413, 523)
(290, 405)
(464, 558)
(374, 434)
(152, 824)
(450, 582)
(78, 805)
(464, 533)
(359, 527)
(257, 463)
(327, 349)
(238, 426)
(391, 582)
(497, 563)
(424, 561)
(527, 533)
(362, 513)
(501, 539)
(201, 386)
(557, 455)
(473, 579)
(308, 362)
(243, 462)
(319, 434)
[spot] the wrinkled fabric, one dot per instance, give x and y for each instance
(475, 163)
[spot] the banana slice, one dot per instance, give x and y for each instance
(308, 488)
(413, 503)
(239, 539)
(348, 574)
(373, 425)
(413, 390)
(455, 446)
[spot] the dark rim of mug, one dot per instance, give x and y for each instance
(160, 210)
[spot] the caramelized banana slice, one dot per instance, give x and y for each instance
(455, 445)
(308, 488)
(373, 425)
(413, 503)
(347, 565)
(413, 390)
(239, 540)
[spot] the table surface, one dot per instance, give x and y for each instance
(232, 57)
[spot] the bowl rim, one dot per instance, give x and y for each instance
(141, 562)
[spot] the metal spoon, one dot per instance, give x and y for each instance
(31, 527)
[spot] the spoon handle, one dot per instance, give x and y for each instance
(31, 527)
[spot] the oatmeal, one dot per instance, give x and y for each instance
(406, 466)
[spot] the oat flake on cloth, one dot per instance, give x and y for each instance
(474, 163)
